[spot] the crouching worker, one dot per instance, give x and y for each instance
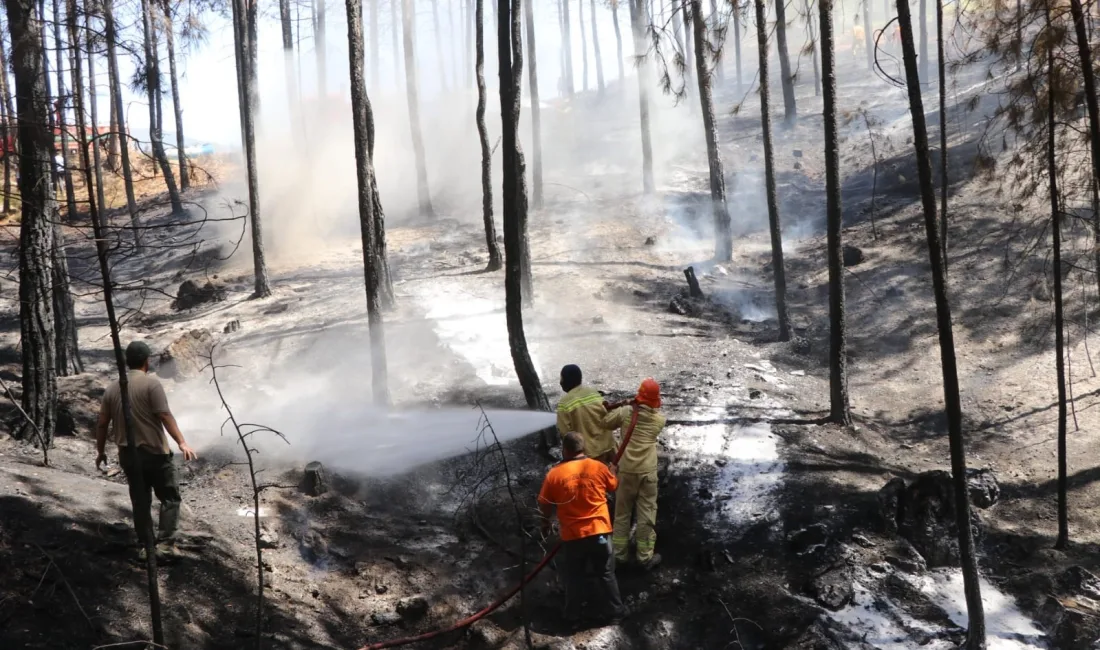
(636, 497)
(578, 488)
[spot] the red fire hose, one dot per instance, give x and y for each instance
(470, 620)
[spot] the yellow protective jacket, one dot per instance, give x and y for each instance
(581, 410)
(640, 456)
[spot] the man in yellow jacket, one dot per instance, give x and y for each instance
(581, 409)
(636, 497)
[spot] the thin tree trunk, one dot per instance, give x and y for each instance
(111, 35)
(438, 48)
(689, 43)
(320, 45)
(774, 227)
(638, 24)
(177, 108)
(1092, 106)
(514, 197)
(790, 110)
(39, 208)
(737, 39)
(113, 160)
(67, 345)
(723, 237)
(923, 41)
(93, 102)
(363, 125)
(584, 45)
(975, 613)
(618, 36)
(839, 411)
(868, 36)
(8, 116)
(62, 126)
(942, 65)
(715, 20)
(813, 48)
(536, 108)
(412, 91)
(495, 260)
(293, 88)
(567, 48)
(595, 51)
(152, 76)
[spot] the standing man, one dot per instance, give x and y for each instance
(581, 410)
(637, 494)
(578, 487)
(152, 459)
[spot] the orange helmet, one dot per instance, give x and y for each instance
(649, 393)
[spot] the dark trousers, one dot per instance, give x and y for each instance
(158, 473)
(590, 571)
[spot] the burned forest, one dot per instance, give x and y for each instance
(516, 324)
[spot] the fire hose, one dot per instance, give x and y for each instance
(470, 620)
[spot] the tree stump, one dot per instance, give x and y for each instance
(693, 283)
(313, 480)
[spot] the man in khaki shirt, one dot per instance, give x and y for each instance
(152, 460)
(581, 409)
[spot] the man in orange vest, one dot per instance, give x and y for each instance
(578, 488)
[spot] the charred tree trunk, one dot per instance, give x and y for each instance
(790, 110)
(8, 115)
(93, 102)
(813, 47)
(923, 41)
(245, 50)
(1092, 106)
(438, 43)
(514, 198)
(567, 48)
(778, 265)
(618, 37)
(320, 44)
(536, 109)
(715, 22)
(595, 52)
(839, 411)
(62, 126)
(177, 108)
(408, 18)
(111, 35)
(363, 124)
(113, 161)
(152, 82)
(39, 208)
(723, 237)
(638, 22)
(976, 633)
(495, 260)
(942, 70)
(67, 345)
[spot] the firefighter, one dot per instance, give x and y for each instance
(582, 409)
(636, 497)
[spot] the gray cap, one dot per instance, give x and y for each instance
(137, 353)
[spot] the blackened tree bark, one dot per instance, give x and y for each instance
(408, 17)
(584, 45)
(495, 260)
(177, 108)
(778, 265)
(381, 261)
(638, 24)
(39, 208)
(723, 237)
(363, 125)
(1092, 106)
(536, 110)
(59, 110)
(113, 161)
(245, 50)
(111, 34)
(595, 51)
(320, 45)
(976, 634)
(790, 110)
(93, 102)
(567, 47)
(152, 84)
(438, 45)
(514, 199)
(941, 69)
(8, 115)
(839, 411)
(813, 47)
(618, 37)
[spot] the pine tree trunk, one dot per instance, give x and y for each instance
(839, 411)
(320, 45)
(868, 36)
(790, 110)
(942, 65)
(536, 108)
(363, 124)
(39, 208)
(8, 116)
(723, 237)
(177, 108)
(638, 22)
(1092, 106)
(120, 117)
(814, 48)
(923, 42)
(93, 104)
(412, 90)
(618, 37)
(595, 52)
(677, 31)
(567, 48)
(778, 265)
(495, 260)
(245, 50)
(584, 45)
(62, 126)
(689, 42)
(113, 162)
(514, 197)
(737, 40)
(715, 20)
(976, 634)
(152, 76)
(438, 42)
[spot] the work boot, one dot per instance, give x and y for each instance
(651, 563)
(167, 550)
